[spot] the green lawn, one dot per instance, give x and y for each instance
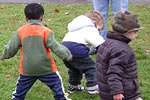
(12, 17)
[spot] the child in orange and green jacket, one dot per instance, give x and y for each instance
(36, 42)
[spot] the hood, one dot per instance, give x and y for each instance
(80, 22)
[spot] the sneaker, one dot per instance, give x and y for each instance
(139, 98)
(93, 90)
(73, 88)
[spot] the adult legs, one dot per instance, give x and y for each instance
(23, 86)
(124, 4)
(116, 6)
(103, 7)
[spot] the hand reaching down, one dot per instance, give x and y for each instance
(118, 97)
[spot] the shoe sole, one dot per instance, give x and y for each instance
(71, 92)
(93, 93)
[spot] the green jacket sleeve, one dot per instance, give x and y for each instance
(60, 50)
(12, 47)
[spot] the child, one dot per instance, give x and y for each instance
(36, 42)
(83, 31)
(116, 62)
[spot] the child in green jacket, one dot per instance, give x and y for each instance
(36, 42)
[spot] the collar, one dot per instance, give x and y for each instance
(112, 35)
(36, 22)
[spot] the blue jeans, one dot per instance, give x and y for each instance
(52, 80)
(124, 4)
(103, 7)
(80, 66)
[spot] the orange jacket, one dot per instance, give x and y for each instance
(36, 42)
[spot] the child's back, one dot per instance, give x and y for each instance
(35, 53)
(36, 42)
(82, 33)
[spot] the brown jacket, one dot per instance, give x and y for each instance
(116, 68)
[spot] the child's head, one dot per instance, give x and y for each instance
(126, 23)
(34, 11)
(97, 18)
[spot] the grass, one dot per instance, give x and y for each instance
(12, 17)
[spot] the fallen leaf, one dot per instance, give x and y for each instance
(147, 51)
(7, 76)
(15, 14)
(48, 20)
(2, 7)
(67, 6)
(52, 13)
(8, 29)
(14, 21)
(139, 6)
(20, 21)
(76, 13)
(55, 61)
(147, 32)
(67, 13)
(56, 10)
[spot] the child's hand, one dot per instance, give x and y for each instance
(118, 97)
(93, 51)
(2, 58)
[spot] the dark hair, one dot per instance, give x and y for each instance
(33, 11)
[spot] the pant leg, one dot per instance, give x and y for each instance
(116, 6)
(71, 67)
(124, 4)
(54, 82)
(75, 75)
(90, 72)
(85, 66)
(103, 7)
(23, 86)
(74, 78)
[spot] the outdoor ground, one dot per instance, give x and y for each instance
(57, 17)
(147, 2)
